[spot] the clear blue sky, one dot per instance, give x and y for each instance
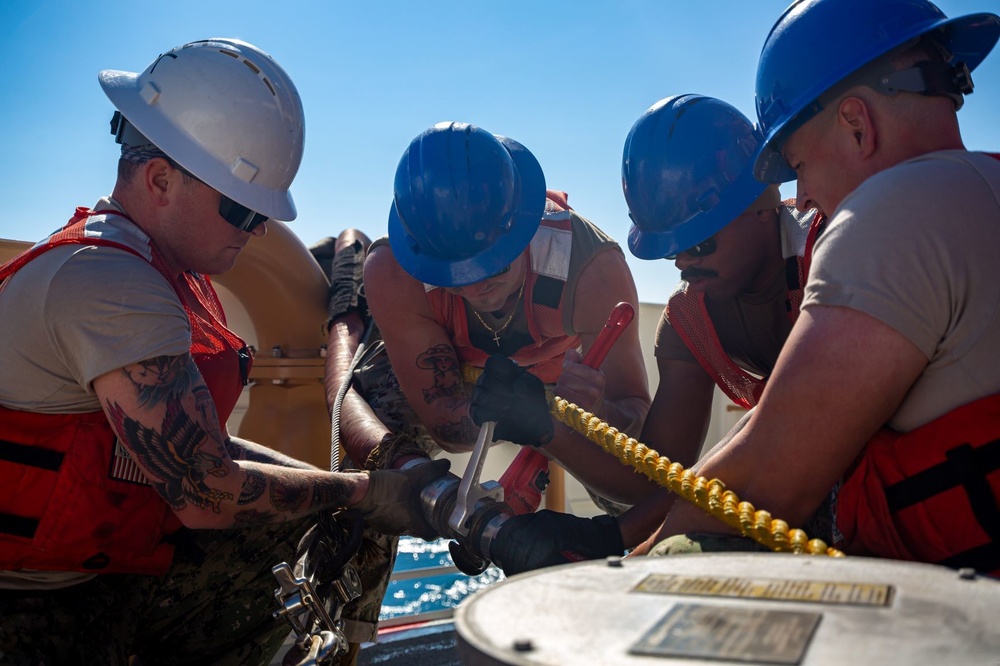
(567, 78)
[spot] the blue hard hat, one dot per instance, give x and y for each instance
(686, 173)
(816, 44)
(466, 204)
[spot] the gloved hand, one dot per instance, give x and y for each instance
(515, 399)
(546, 538)
(392, 503)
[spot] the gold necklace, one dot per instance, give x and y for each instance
(496, 332)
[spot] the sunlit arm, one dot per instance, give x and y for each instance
(163, 414)
(840, 376)
(422, 356)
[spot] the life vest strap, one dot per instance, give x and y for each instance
(967, 467)
(944, 476)
(18, 525)
(981, 558)
(31, 456)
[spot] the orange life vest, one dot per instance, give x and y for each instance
(548, 269)
(71, 499)
(929, 495)
(688, 316)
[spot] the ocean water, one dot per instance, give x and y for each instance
(419, 595)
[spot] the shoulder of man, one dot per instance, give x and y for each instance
(104, 307)
(81, 279)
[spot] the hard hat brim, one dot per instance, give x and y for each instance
(651, 245)
(123, 89)
(526, 218)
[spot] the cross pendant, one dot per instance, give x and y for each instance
(496, 337)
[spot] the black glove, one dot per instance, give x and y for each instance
(544, 539)
(392, 503)
(515, 399)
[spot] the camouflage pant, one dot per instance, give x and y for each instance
(213, 606)
(687, 544)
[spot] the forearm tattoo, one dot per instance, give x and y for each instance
(235, 451)
(462, 431)
(285, 497)
(333, 494)
(253, 517)
(241, 449)
(253, 487)
(443, 361)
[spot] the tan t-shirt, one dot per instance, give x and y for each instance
(918, 247)
(75, 313)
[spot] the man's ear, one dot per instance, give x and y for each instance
(159, 179)
(854, 118)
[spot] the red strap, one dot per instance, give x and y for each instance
(815, 228)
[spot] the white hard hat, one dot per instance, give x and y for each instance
(225, 111)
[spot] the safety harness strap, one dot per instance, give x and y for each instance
(966, 467)
(18, 525)
(31, 456)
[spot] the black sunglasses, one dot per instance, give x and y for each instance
(238, 215)
(702, 249)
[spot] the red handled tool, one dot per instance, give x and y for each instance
(620, 318)
(528, 475)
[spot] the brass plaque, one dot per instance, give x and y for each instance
(731, 634)
(771, 589)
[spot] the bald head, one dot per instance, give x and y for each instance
(864, 129)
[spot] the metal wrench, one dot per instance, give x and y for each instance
(470, 490)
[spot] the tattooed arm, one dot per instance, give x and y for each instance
(164, 416)
(244, 449)
(361, 431)
(420, 350)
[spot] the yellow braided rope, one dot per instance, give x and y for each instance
(710, 496)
